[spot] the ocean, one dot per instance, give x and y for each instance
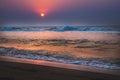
(80, 45)
(61, 28)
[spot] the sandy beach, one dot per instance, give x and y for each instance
(22, 69)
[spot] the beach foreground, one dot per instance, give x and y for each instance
(72, 56)
(26, 69)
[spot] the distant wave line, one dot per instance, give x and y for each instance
(60, 29)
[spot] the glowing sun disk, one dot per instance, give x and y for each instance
(42, 14)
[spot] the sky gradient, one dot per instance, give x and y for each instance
(60, 12)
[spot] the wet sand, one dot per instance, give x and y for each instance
(26, 69)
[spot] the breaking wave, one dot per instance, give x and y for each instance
(61, 29)
(63, 58)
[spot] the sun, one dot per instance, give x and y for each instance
(42, 14)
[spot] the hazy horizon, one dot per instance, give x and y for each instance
(59, 12)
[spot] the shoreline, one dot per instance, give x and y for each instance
(107, 63)
(58, 45)
(60, 65)
(23, 69)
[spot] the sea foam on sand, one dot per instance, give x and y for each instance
(64, 58)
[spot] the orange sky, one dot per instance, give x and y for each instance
(48, 5)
